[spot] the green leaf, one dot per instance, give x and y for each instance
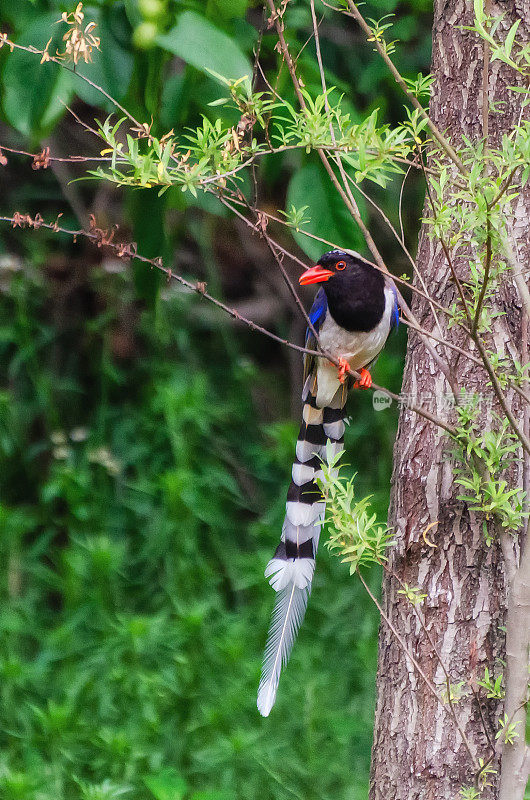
(32, 92)
(205, 47)
(227, 9)
(508, 44)
(329, 218)
(166, 785)
(478, 7)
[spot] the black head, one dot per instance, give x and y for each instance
(332, 265)
(355, 289)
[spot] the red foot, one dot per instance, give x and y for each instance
(343, 370)
(365, 380)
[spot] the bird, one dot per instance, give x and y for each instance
(353, 313)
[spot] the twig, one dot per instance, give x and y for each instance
(440, 138)
(483, 288)
(400, 205)
(401, 241)
(448, 708)
(61, 63)
(447, 254)
(405, 283)
(65, 159)
(345, 192)
(124, 250)
(426, 631)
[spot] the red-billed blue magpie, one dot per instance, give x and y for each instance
(354, 311)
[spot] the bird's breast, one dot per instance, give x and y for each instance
(359, 348)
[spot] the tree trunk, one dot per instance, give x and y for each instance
(418, 752)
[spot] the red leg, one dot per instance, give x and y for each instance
(365, 381)
(343, 369)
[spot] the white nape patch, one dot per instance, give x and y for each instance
(312, 416)
(300, 533)
(295, 571)
(303, 474)
(334, 430)
(305, 450)
(304, 514)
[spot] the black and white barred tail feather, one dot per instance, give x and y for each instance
(291, 569)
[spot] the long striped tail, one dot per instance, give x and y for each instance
(291, 569)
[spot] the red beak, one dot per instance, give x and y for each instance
(315, 275)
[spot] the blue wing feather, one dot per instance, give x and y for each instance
(318, 310)
(317, 316)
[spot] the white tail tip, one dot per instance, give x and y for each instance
(266, 698)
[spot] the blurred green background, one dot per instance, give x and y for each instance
(146, 440)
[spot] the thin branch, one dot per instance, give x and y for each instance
(432, 644)
(504, 187)
(447, 254)
(402, 281)
(485, 280)
(65, 159)
(124, 250)
(401, 241)
(400, 204)
(440, 138)
(487, 264)
(448, 708)
(345, 192)
(497, 388)
(279, 260)
(61, 63)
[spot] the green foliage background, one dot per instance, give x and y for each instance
(145, 443)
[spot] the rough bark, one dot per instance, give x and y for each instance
(418, 753)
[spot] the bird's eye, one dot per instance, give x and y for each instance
(340, 265)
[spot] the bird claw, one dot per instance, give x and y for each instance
(343, 370)
(365, 381)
